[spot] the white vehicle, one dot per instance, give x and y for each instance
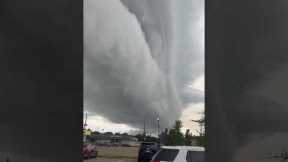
(179, 154)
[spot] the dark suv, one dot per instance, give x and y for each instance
(147, 151)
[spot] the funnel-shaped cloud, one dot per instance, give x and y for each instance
(133, 65)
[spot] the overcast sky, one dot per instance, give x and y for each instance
(143, 58)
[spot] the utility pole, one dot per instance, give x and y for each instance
(158, 126)
(85, 120)
(155, 123)
(144, 129)
(84, 129)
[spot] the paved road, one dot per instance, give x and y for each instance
(110, 160)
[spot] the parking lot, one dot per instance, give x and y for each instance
(115, 154)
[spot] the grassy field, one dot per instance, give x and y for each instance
(118, 152)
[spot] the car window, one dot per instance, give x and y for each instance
(166, 155)
(195, 156)
(148, 145)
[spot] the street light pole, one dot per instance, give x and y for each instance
(144, 128)
(154, 123)
(158, 126)
(84, 129)
(85, 121)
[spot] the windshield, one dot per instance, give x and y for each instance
(148, 143)
(166, 155)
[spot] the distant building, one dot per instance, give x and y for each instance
(114, 140)
(129, 141)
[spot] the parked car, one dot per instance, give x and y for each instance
(179, 154)
(147, 151)
(89, 151)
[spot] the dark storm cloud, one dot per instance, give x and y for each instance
(174, 31)
(131, 59)
(190, 95)
(123, 82)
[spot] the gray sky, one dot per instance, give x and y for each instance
(143, 58)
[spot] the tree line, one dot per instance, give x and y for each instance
(174, 136)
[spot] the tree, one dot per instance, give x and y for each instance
(188, 138)
(125, 134)
(201, 138)
(175, 136)
(178, 125)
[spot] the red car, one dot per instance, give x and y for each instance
(89, 151)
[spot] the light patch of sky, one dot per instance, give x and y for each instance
(101, 124)
(192, 112)
(199, 83)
